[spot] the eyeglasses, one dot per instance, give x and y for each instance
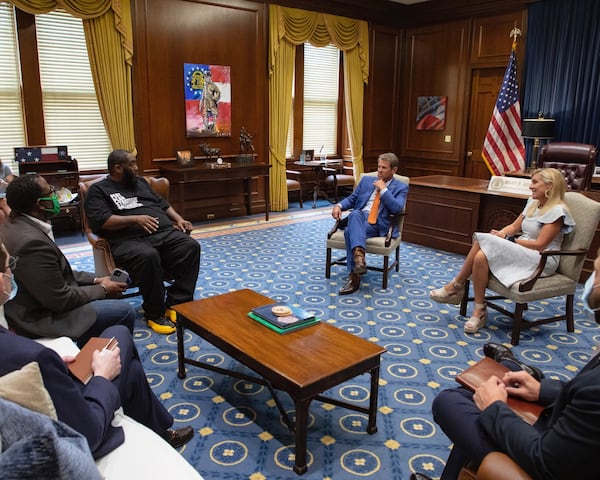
(12, 262)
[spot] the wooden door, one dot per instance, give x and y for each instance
(486, 83)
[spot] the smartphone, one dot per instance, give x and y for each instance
(120, 276)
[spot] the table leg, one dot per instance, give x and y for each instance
(181, 373)
(372, 425)
(300, 466)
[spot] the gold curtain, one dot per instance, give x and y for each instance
(109, 40)
(290, 27)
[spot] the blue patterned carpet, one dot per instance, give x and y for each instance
(239, 432)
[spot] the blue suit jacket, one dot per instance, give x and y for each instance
(392, 202)
(566, 437)
(88, 409)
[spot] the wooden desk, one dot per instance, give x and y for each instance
(442, 212)
(303, 363)
(190, 178)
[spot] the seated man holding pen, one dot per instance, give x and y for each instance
(118, 380)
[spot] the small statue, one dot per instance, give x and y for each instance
(246, 138)
(209, 151)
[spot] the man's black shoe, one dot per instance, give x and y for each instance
(178, 438)
(501, 353)
(495, 351)
(352, 284)
(419, 476)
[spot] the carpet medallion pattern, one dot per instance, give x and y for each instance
(239, 431)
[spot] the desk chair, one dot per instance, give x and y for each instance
(104, 263)
(576, 161)
(294, 184)
(586, 213)
(339, 178)
(384, 246)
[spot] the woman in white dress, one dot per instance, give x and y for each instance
(513, 253)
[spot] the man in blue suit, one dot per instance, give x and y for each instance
(372, 202)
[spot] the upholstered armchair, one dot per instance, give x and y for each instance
(339, 178)
(586, 213)
(575, 160)
(495, 466)
(294, 183)
(104, 263)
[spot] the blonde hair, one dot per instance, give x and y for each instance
(555, 195)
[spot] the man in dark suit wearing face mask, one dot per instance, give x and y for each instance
(53, 299)
(118, 380)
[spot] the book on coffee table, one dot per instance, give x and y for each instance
(81, 367)
(282, 331)
(475, 375)
(283, 315)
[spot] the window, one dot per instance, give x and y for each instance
(314, 123)
(12, 133)
(71, 113)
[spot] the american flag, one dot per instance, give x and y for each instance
(503, 148)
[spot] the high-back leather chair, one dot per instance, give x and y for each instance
(104, 263)
(575, 160)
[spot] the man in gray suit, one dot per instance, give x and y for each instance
(52, 299)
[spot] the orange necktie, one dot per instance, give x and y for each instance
(372, 219)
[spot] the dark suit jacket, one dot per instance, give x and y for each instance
(89, 409)
(52, 300)
(565, 441)
(392, 203)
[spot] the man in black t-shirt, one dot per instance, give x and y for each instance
(147, 236)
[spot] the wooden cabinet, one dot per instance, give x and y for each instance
(60, 174)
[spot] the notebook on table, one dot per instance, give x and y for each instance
(294, 317)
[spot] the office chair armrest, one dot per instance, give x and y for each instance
(334, 229)
(101, 250)
(527, 285)
(394, 222)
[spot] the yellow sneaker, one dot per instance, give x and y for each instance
(171, 315)
(161, 325)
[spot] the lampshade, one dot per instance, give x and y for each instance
(538, 128)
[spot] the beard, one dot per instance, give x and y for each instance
(129, 178)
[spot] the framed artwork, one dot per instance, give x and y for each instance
(207, 100)
(431, 113)
(309, 155)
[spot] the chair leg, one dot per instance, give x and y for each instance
(328, 263)
(398, 258)
(300, 198)
(517, 323)
(569, 313)
(465, 300)
(384, 282)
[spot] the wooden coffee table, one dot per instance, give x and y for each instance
(303, 363)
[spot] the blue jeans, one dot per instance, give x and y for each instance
(109, 313)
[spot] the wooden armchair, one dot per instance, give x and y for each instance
(586, 213)
(339, 178)
(384, 246)
(294, 183)
(104, 263)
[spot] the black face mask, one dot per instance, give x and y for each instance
(129, 178)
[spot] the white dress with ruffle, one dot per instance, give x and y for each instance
(510, 262)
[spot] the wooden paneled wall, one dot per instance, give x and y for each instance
(169, 33)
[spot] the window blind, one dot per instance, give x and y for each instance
(71, 113)
(12, 133)
(321, 87)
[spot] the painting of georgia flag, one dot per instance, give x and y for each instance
(503, 148)
(207, 100)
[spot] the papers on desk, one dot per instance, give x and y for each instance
(510, 185)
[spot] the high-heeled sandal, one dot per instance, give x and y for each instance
(475, 323)
(441, 295)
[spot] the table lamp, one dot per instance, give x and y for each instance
(539, 129)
